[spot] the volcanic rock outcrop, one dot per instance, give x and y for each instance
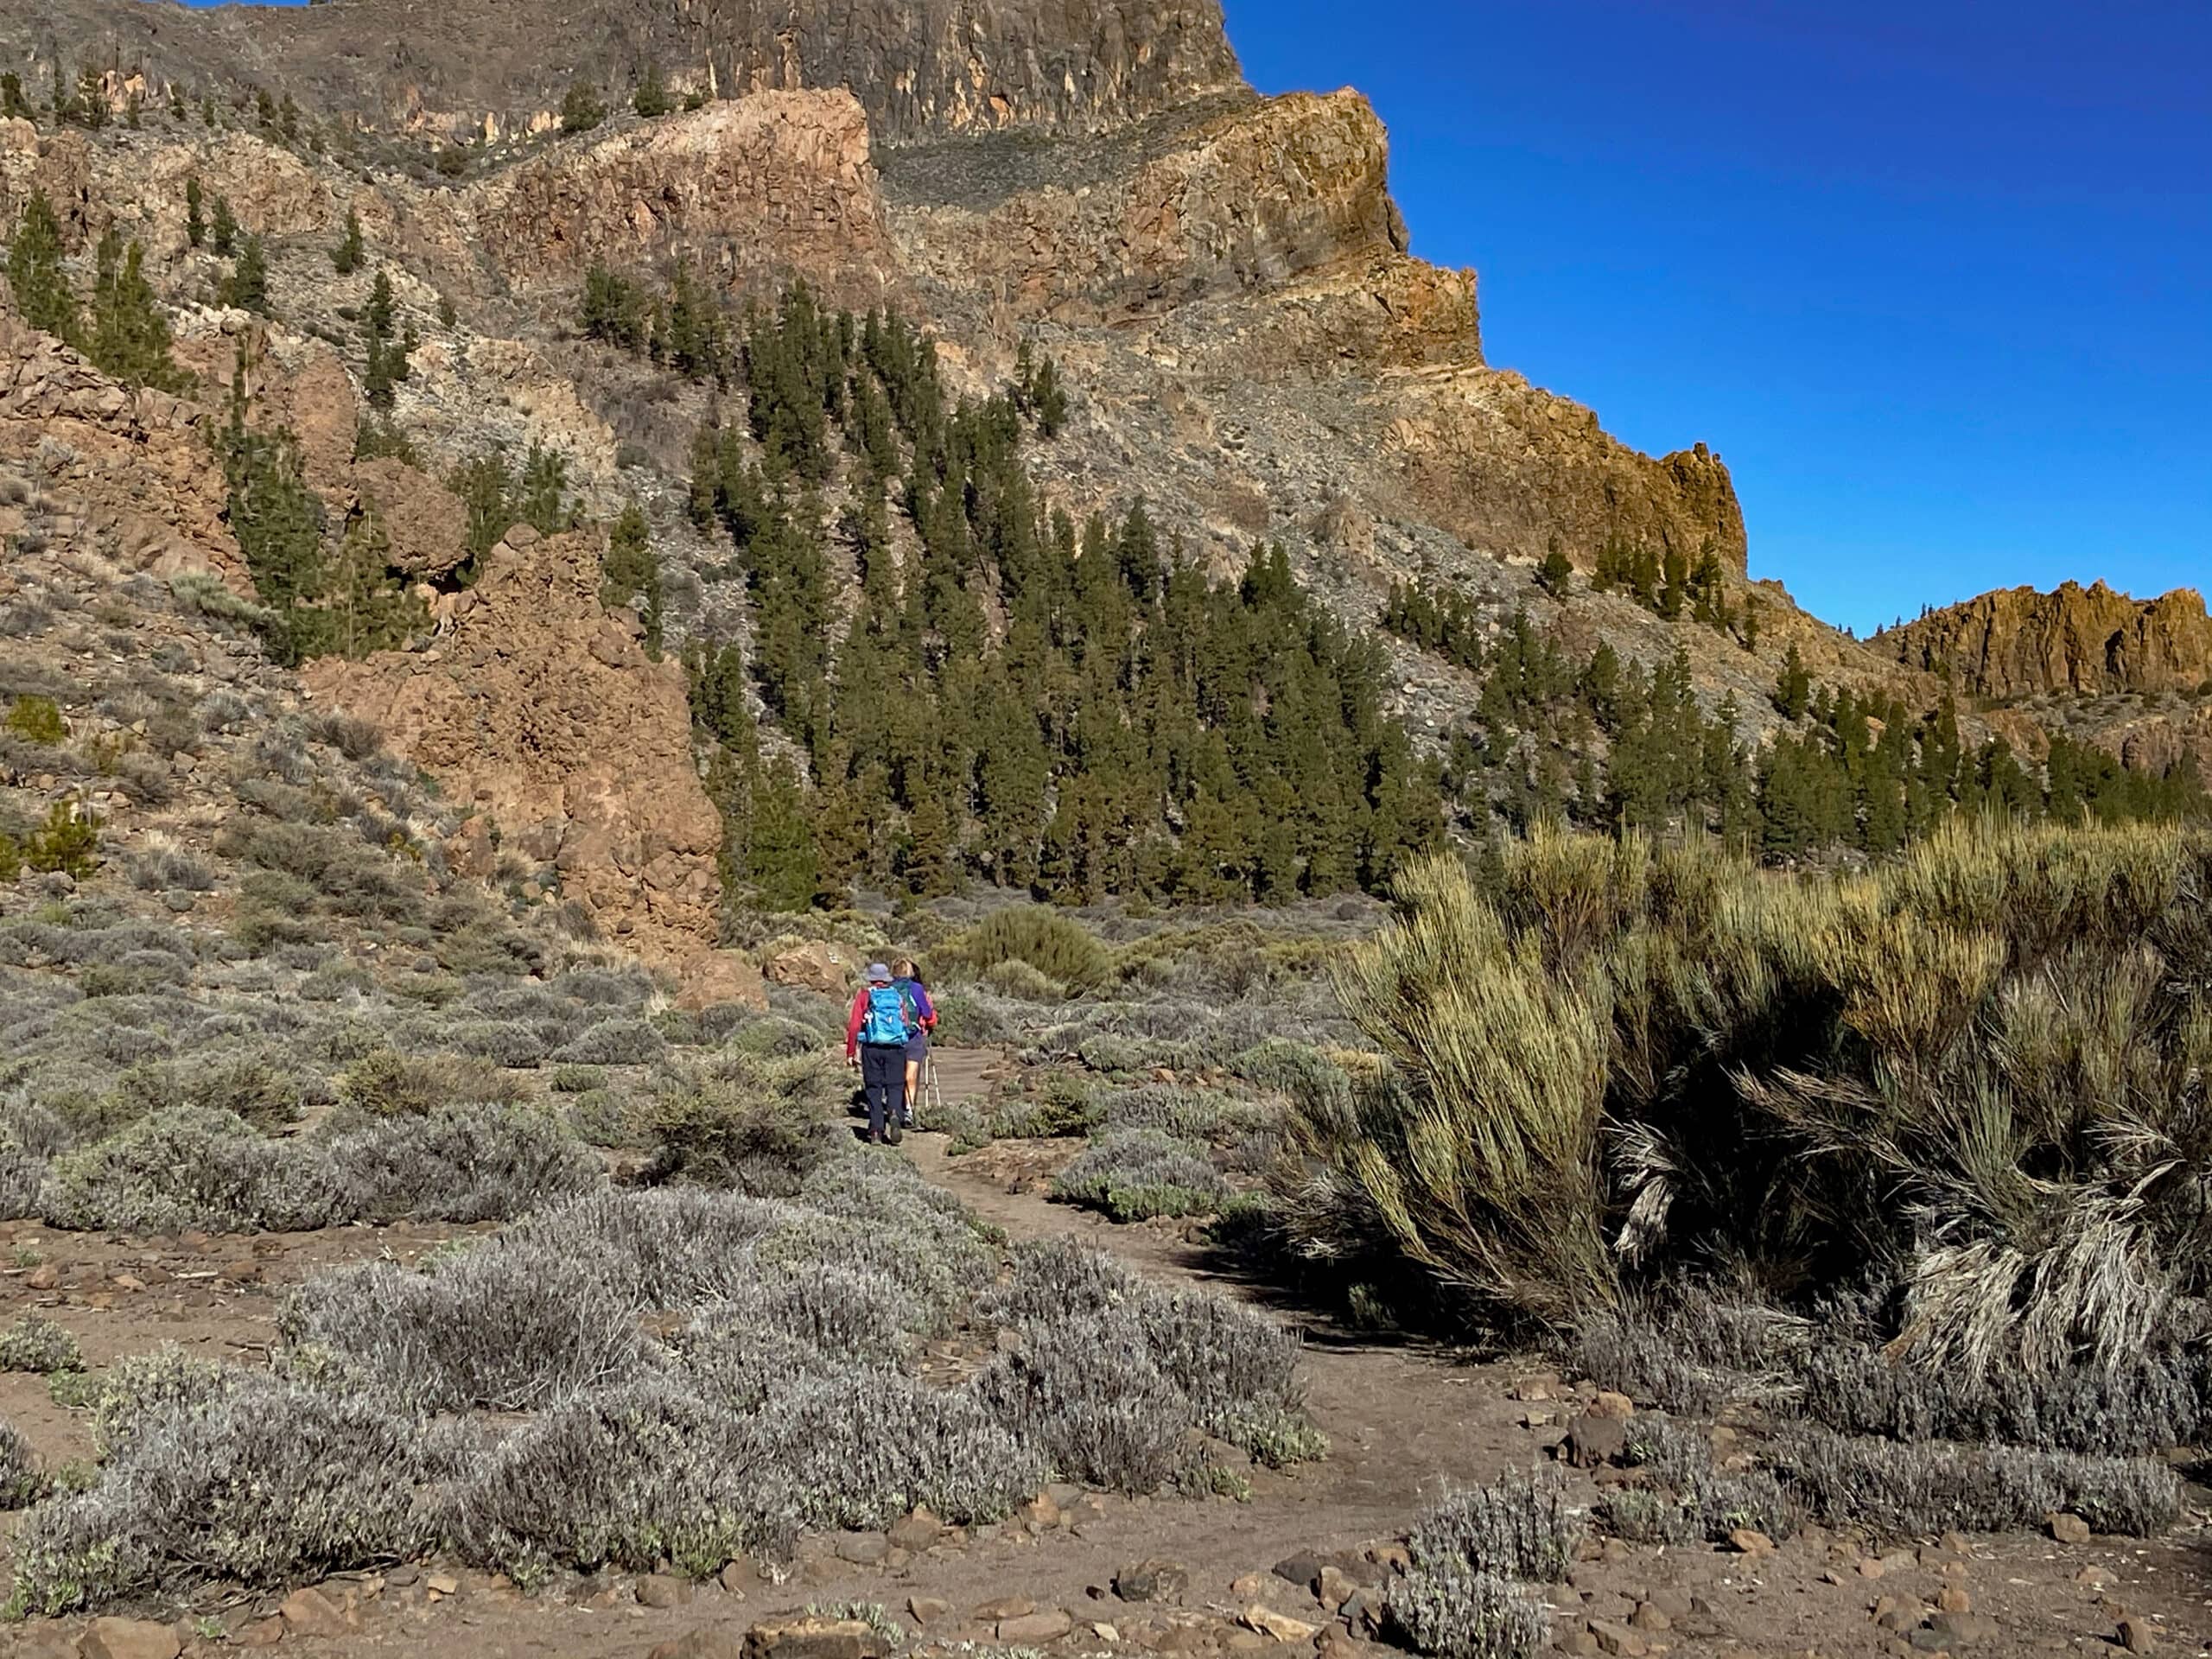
(136, 468)
(540, 710)
(2018, 642)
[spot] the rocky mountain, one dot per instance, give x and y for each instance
(2132, 676)
(2088, 641)
(492, 67)
(1221, 280)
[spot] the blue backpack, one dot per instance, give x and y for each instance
(889, 1020)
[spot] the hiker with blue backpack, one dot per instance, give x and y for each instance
(883, 1019)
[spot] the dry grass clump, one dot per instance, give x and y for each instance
(1983, 1064)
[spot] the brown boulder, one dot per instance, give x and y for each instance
(128, 1638)
(424, 520)
(816, 966)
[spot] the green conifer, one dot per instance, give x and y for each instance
(34, 273)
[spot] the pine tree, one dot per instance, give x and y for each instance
(581, 108)
(345, 257)
(247, 286)
(34, 273)
(195, 223)
(90, 105)
(1556, 575)
(1793, 692)
(634, 568)
(383, 363)
(223, 230)
(651, 99)
(1050, 400)
(130, 333)
(14, 107)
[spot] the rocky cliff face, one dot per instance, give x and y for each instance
(540, 712)
(920, 70)
(774, 183)
(135, 472)
(1255, 196)
(2018, 642)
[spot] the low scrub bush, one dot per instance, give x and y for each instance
(627, 1476)
(264, 1486)
(503, 1327)
(187, 1167)
(758, 1131)
(385, 1082)
(458, 1163)
(1690, 1500)
(1136, 1174)
(2159, 1399)
(1454, 1612)
(513, 1044)
(1063, 1107)
(775, 1038)
(1457, 1600)
(1904, 1492)
(1692, 1354)
(1112, 1376)
(21, 1481)
(614, 1042)
(35, 1343)
(1521, 1528)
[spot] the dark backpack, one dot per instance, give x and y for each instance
(889, 1020)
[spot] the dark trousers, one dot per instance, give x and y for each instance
(883, 1074)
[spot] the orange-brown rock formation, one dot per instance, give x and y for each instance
(137, 466)
(542, 709)
(774, 182)
(2018, 642)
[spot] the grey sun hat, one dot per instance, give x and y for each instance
(878, 974)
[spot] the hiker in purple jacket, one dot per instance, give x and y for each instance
(918, 1046)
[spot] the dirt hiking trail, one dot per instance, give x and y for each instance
(1404, 1422)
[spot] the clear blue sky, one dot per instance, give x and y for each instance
(1935, 278)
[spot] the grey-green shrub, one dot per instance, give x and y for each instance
(21, 1481)
(35, 1343)
(265, 1485)
(503, 1327)
(1136, 1174)
(614, 1042)
(458, 1164)
(189, 1167)
(1448, 1609)
(1913, 1491)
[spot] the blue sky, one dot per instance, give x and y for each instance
(1934, 278)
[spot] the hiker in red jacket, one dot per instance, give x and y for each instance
(883, 1021)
